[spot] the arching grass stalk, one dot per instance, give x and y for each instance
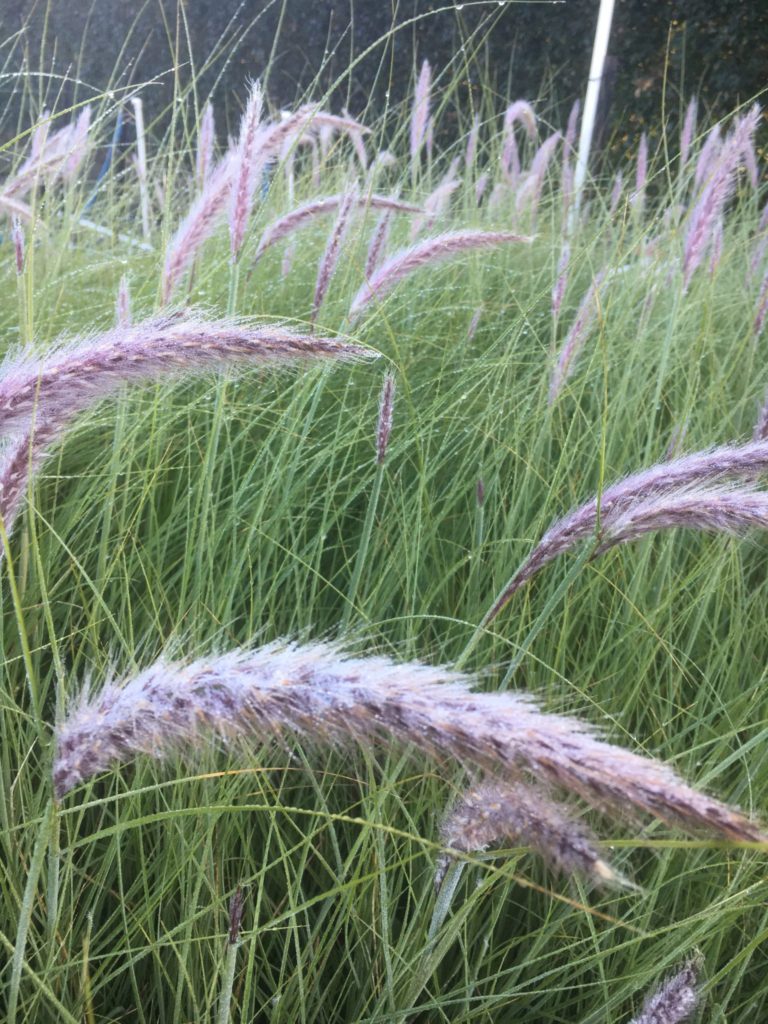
(384, 427)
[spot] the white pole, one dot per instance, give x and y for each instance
(599, 50)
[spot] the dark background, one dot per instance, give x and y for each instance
(662, 52)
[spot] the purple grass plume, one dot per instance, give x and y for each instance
(420, 114)
(19, 462)
(435, 205)
(472, 138)
(688, 131)
(248, 164)
(310, 211)
(717, 190)
(428, 251)
(378, 243)
(520, 111)
(561, 282)
(206, 140)
(676, 476)
(492, 811)
(386, 411)
(576, 337)
(677, 998)
(198, 226)
(529, 192)
(330, 258)
(322, 694)
(41, 395)
(75, 374)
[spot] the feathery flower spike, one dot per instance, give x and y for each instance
(677, 997)
(430, 250)
(492, 811)
(330, 257)
(323, 694)
(668, 476)
(79, 372)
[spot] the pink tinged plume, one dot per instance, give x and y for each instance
(62, 382)
(17, 236)
(435, 205)
(480, 186)
(384, 424)
(310, 211)
(688, 132)
(46, 161)
(248, 165)
(558, 292)
(330, 258)
(206, 139)
(50, 390)
(520, 111)
(471, 150)
(716, 246)
(199, 224)
(378, 243)
(529, 193)
(677, 999)
(420, 113)
(320, 693)
(123, 303)
(715, 509)
(716, 192)
(429, 138)
(426, 252)
(577, 337)
(750, 162)
(79, 145)
(19, 463)
(708, 155)
(493, 811)
(674, 476)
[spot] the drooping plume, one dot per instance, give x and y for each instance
(330, 257)
(492, 811)
(324, 695)
(673, 476)
(430, 250)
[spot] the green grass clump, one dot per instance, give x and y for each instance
(199, 516)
